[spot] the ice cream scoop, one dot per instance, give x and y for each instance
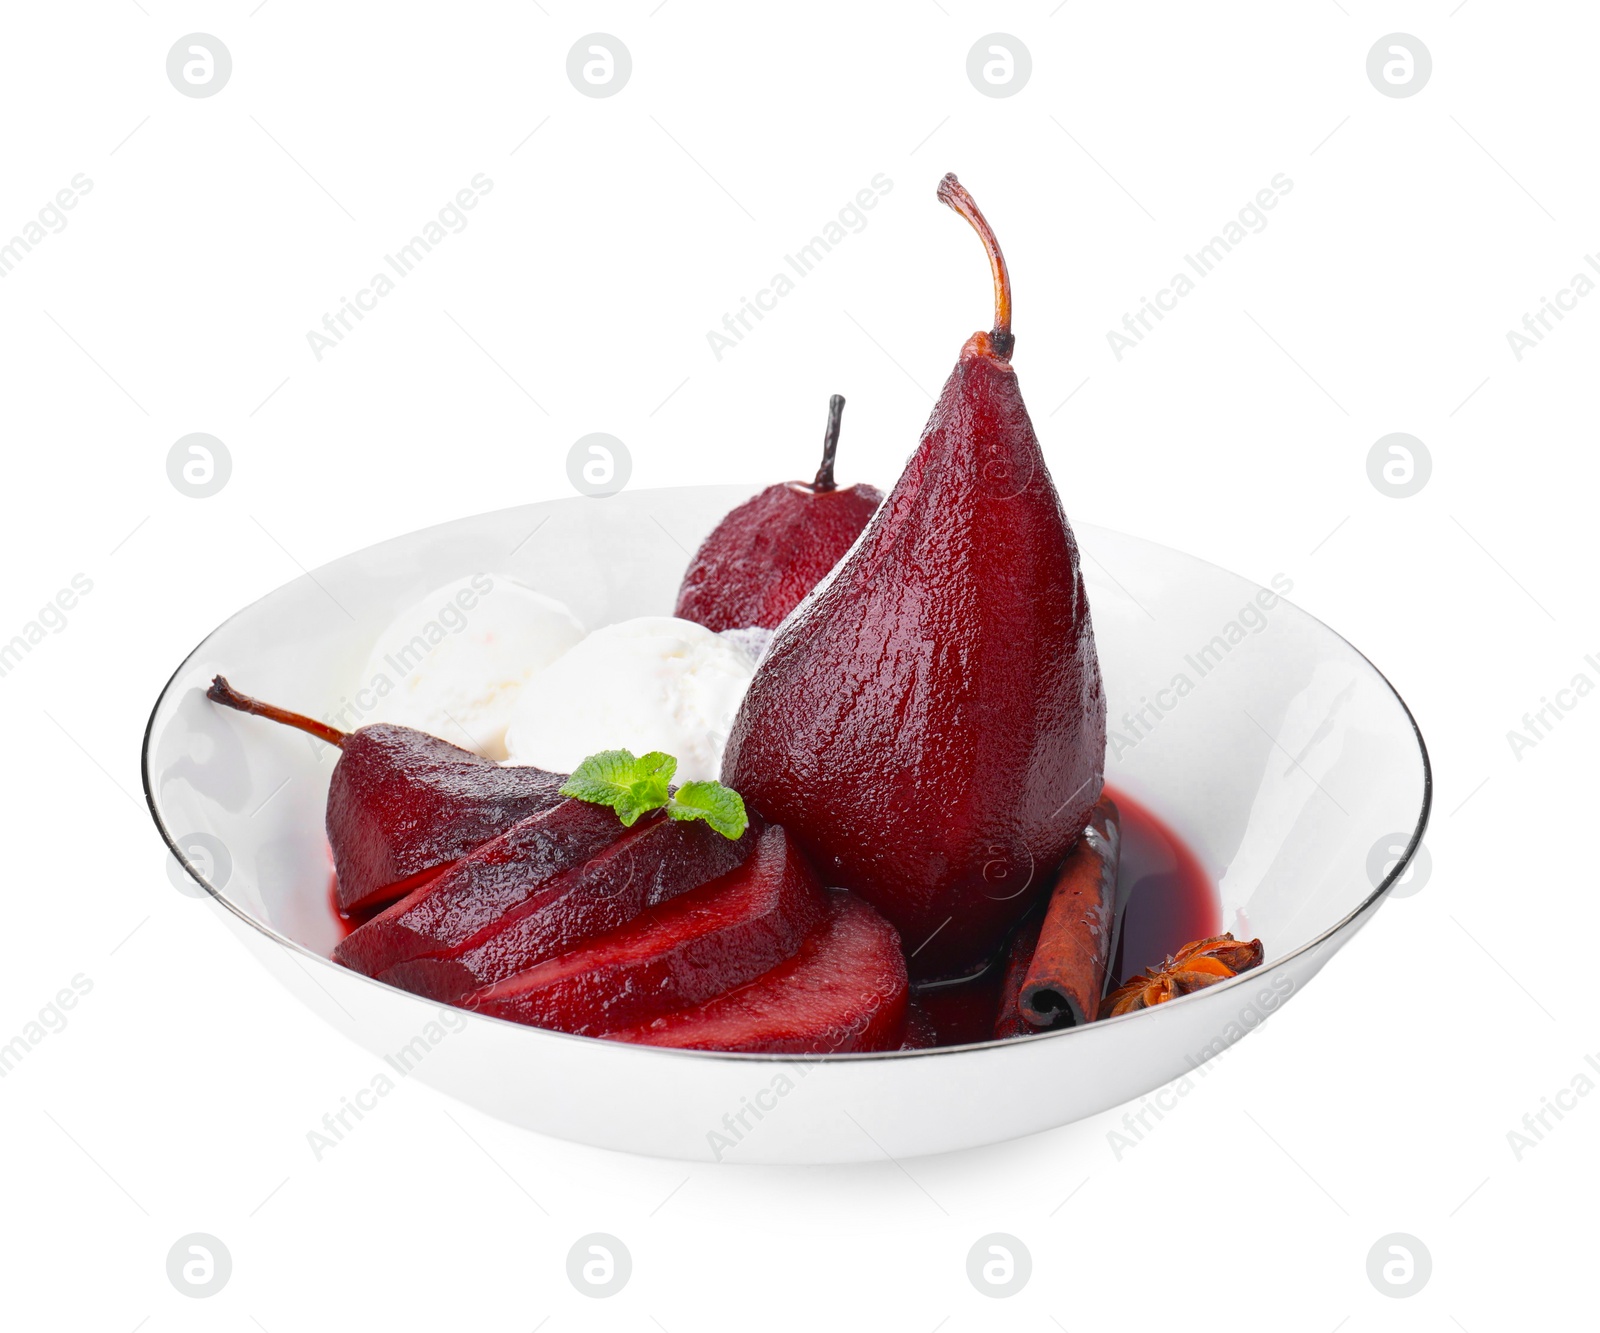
(652, 683)
(453, 663)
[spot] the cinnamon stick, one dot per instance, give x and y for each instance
(1009, 1021)
(1067, 974)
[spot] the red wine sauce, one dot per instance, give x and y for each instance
(1165, 899)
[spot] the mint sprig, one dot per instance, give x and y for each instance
(635, 786)
(719, 806)
(630, 786)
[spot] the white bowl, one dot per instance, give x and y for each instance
(1286, 760)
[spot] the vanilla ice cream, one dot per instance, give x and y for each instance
(653, 683)
(454, 663)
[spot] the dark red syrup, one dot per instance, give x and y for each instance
(346, 922)
(1169, 898)
(1165, 900)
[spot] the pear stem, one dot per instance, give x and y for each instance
(953, 194)
(830, 446)
(223, 693)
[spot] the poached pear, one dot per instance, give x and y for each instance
(843, 990)
(403, 805)
(681, 953)
(930, 725)
(769, 552)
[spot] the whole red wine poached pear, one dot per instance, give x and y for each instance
(929, 726)
(767, 554)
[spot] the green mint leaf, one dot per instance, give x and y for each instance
(719, 806)
(630, 786)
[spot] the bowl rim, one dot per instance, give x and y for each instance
(994, 1044)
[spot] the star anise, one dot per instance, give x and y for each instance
(1194, 967)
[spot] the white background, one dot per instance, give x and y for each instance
(178, 299)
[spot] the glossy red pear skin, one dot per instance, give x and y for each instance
(845, 990)
(767, 554)
(454, 907)
(650, 864)
(403, 804)
(930, 728)
(682, 953)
